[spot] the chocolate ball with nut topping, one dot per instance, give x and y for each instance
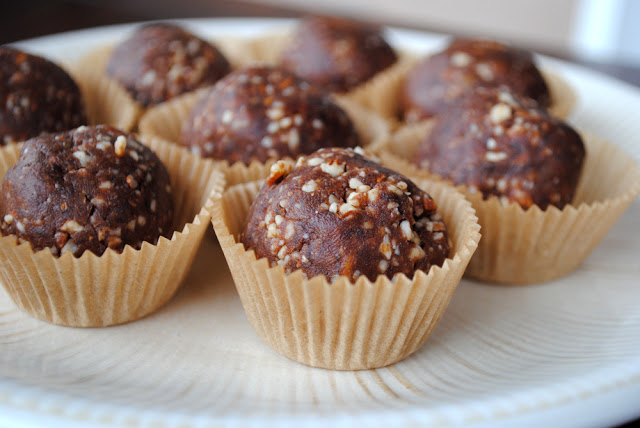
(507, 146)
(260, 113)
(36, 96)
(465, 65)
(338, 213)
(337, 53)
(161, 61)
(91, 188)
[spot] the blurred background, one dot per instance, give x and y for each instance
(602, 34)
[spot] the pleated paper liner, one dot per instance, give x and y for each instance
(114, 288)
(531, 246)
(341, 325)
(383, 93)
(108, 102)
(165, 121)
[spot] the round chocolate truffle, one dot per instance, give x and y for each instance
(337, 213)
(260, 113)
(507, 146)
(91, 188)
(337, 53)
(36, 96)
(161, 61)
(465, 65)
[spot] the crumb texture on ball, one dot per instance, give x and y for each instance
(91, 188)
(338, 213)
(337, 53)
(161, 61)
(506, 146)
(36, 96)
(260, 113)
(465, 65)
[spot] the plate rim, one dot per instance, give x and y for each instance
(625, 378)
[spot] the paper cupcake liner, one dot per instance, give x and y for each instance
(341, 325)
(267, 48)
(531, 246)
(115, 288)
(165, 121)
(106, 101)
(382, 94)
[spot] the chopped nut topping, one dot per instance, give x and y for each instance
(333, 168)
(83, 157)
(495, 156)
(309, 186)
(71, 226)
(499, 113)
(120, 145)
(461, 59)
(406, 229)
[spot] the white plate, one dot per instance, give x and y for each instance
(565, 353)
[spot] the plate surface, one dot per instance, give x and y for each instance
(566, 353)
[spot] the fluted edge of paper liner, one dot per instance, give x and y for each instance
(106, 101)
(342, 325)
(115, 288)
(533, 246)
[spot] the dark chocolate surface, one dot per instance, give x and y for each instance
(161, 61)
(337, 53)
(36, 96)
(503, 145)
(338, 213)
(261, 113)
(91, 188)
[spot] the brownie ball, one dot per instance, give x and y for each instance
(338, 213)
(91, 188)
(161, 61)
(36, 96)
(337, 53)
(260, 113)
(507, 146)
(464, 66)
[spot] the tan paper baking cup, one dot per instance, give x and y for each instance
(114, 288)
(106, 101)
(341, 325)
(165, 121)
(383, 92)
(531, 246)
